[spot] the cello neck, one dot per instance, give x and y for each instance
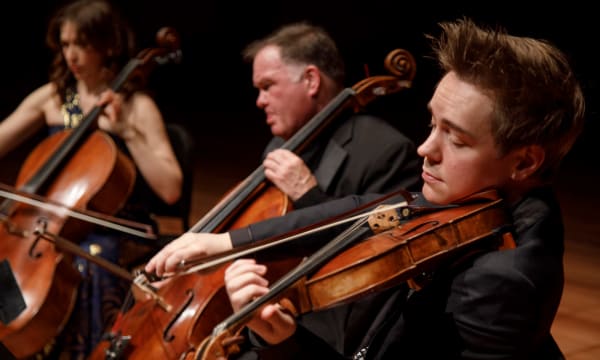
(168, 52)
(320, 121)
(399, 62)
(51, 166)
(225, 209)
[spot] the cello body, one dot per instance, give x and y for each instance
(97, 176)
(191, 305)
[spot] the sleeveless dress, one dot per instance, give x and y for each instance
(100, 294)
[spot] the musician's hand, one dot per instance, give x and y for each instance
(111, 119)
(244, 282)
(112, 103)
(187, 247)
(289, 173)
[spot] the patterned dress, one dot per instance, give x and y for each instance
(100, 294)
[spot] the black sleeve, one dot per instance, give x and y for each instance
(301, 346)
(304, 217)
(312, 196)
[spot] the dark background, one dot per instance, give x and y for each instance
(211, 94)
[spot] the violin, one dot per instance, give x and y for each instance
(59, 170)
(151, 329)
(337, 274)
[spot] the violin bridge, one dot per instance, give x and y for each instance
(383, 219)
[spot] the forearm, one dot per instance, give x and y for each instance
(311, 197)
(161, 171)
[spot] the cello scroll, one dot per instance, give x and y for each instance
(138, 68)
(401, 64)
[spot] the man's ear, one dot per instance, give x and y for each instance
(529, 159)
(312, 77)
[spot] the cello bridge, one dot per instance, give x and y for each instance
(141, 283)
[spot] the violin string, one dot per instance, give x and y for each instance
(342, 240)
(208, 264)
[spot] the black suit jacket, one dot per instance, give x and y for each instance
(361, 154)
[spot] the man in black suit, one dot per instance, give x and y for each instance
(297, 71)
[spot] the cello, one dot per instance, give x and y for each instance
(150, 329)
(58, 168)
(246, 203)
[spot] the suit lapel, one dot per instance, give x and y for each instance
(334, 155)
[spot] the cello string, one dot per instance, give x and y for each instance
(61, 209)
(222, 259)
(73, 248)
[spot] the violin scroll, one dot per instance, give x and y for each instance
(221, 345)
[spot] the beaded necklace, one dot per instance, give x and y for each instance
(70, 109)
